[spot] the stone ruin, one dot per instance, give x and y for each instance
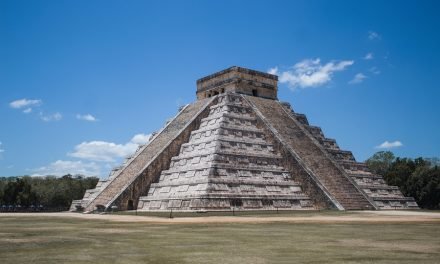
(238, 147)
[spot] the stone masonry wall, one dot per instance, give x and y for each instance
(317, 162)
(124, 186)
(141, 184)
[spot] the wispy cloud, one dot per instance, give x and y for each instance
(372, 35)
(369, 56)
(27, 104)
(17, 104)
(108, 151)
(2, 150)
(374, 70)
(389, 145)
(310, 73)
(86, 117)
(52, 117)
(358, 78)
(63, 167)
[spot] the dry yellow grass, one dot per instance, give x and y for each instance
(289, 238)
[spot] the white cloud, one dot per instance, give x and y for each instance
(28, 104)
(53, 117)
(273, 71)
(102, 151)
(63, 167)
(373, 35)
(141, 139)
(310, 73)
(108, 151)
(369, 56)
(22, 103)
(1, 150)
(358, 78)
(98, 158)
(389, 145)
(374, 70)
(86, 117)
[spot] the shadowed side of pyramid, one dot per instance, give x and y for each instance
(374, 186)
(331, 179)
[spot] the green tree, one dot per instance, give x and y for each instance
(2, 190)
(10, 193)
(415, 177)
(380, 162)
(424, 186)
(49, 191)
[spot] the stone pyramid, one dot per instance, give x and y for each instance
(239, 147)
(229, 161)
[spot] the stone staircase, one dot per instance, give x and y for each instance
(312, 155)
(135, 168)
(372, 185)
(229, 162)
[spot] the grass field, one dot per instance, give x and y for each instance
(43, 239)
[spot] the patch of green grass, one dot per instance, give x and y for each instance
(71, 240)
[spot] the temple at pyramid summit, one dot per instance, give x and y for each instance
(238, 147)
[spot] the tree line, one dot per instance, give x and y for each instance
(418, 178)
(43, 192)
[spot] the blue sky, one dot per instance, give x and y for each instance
(82, 83)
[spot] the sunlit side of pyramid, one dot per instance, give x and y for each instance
(228, 161)
(239, 147)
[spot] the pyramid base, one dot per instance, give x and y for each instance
(224, 204)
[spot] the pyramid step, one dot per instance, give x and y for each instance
(307, 149)
(132, 171)
(242, 175)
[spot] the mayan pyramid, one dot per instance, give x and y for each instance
(239, 147)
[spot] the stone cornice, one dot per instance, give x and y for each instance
(238, 69)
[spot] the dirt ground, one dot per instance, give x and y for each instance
(352, 217)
